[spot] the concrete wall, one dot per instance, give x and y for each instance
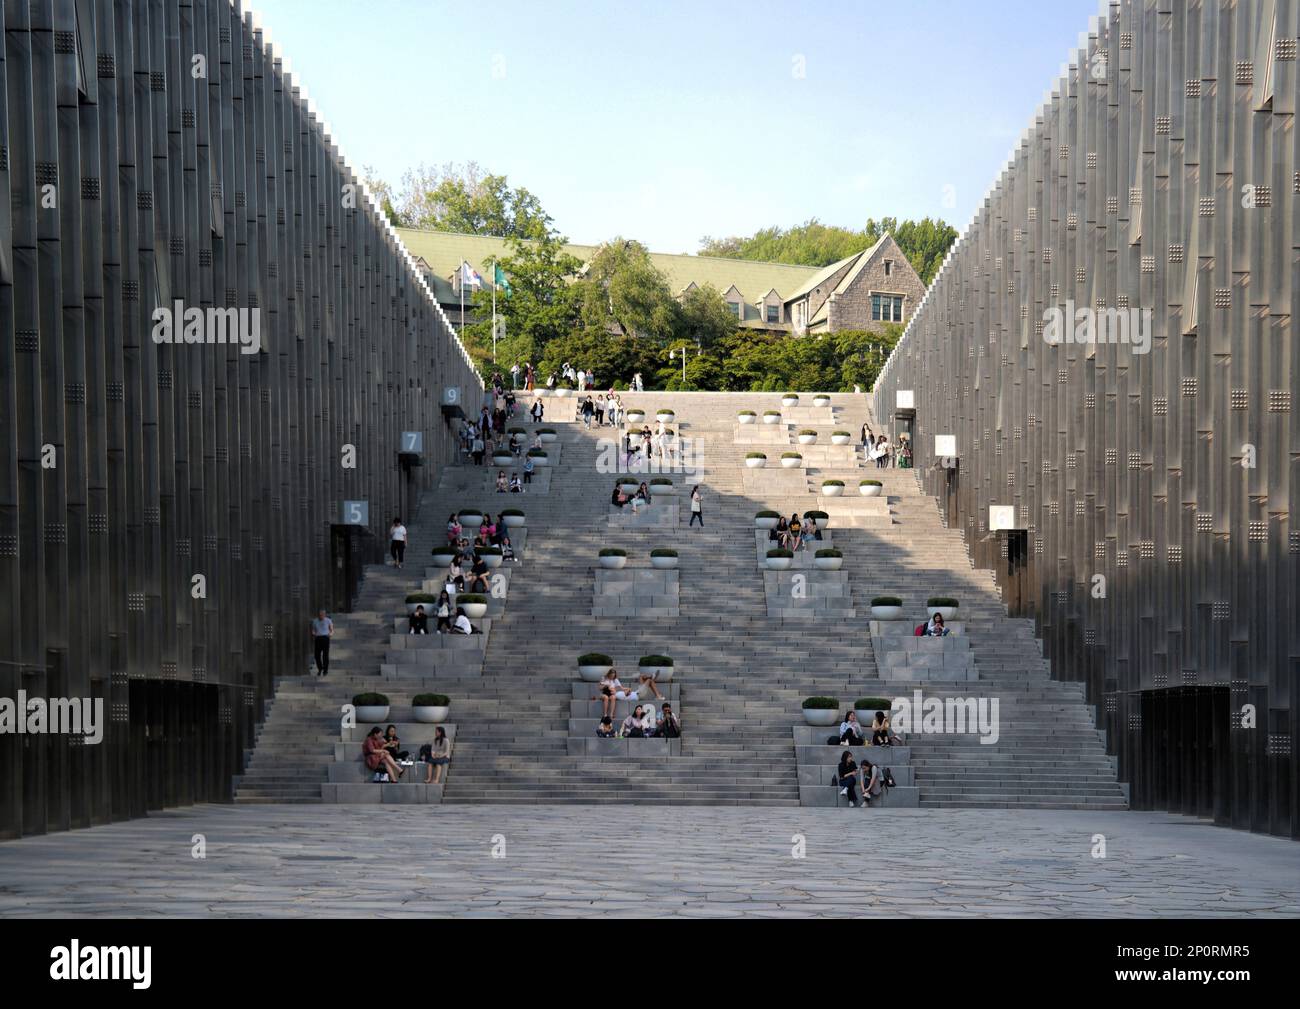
(1160, 177)
(127, 467)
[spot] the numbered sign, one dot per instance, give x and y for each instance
(1002, 517)
(451, 396)
(413, 442)
(904, 400)
(355, 513)
(945, 446)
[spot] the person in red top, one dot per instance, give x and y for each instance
(376, 757)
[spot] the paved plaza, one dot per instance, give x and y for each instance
(649, 861)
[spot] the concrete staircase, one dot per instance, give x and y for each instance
(741, 673)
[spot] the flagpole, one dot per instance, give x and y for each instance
(462, 295)
(494, 312)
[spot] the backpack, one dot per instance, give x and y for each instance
(887, 779)
(920, 631)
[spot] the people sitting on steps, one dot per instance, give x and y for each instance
(418, 622)
(377, 757)
(394, 745)
(882, 734)
(670, 726)
(779, 533)
(444, 612)
(478, 581)
(846, 776)
(618, 498)
(634, 725)
(605, 729)
(462, 624)
(436, 756)
(501, 481)
(935, 628)
(516, 485)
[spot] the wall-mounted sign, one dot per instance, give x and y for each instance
(355, 513)
(904, 400)
(945, 446)
(413, 442)
(1002, 517)
(451, 396)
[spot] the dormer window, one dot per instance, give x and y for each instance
(773, 313)
(735, 307)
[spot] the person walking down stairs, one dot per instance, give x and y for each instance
(397, 542)
(321, 630)
(697, 505)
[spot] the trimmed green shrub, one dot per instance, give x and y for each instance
(470, 597)
(746, 413)
(829, 552)
(537, 453)
(488, 551)
(655, 660)
(886, 601)
(430, 701)
(767, 514)
(595, 659)
(940, 601)
(613, 552)
(446, 548)
(832, 483)
(808, 430)
(789, 395)
(516, 430)
(421, 597)
(663, 552)
(816, 516)
(780, 552)
(755, 455)
(870, 483)
(841, 434)
(468, 511)
(666, 412)
(791, 455)
(821, 703)
(546, 430)
(512, 511)
(370, 700)
(661, 481)
(873, 704)
(771, 413)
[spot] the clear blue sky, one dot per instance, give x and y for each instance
(669, 121)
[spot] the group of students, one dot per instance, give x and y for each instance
(418, 621)
(867, 778)
(602, 409)
(640, 722)
(794, 533)
(383, 754)
(883, 454)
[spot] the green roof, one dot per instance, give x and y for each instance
(444, 251)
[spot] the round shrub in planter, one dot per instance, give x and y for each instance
(370, 707)
(779, 559)
(471, 517)
(886, 608)
(945, 606)
(516, 432)
(658, 666)
(821, 400)
(636, 415)
(755, 460)
(870, 488)
(473, 603)
(832, 488)
(790, 399)
(746, 416)
(662, 557)
(502, 458)
(613, 557)
(547, 434)
(442, 556)
(828, 559)
(593, 666)
(873, 704)
(821, 710)
(665, 415)
(766, 519)
(491, 556)
(561, 391)
(628, 485)
(426, 599)
(807, 436)
(539, 457)
(430, 708)
(662, 485)
(820, 517)
(791, 460)
(512, 517)
(840, 437)
(771, 416)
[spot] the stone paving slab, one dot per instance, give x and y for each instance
(314, 861)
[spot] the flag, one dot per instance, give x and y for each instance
(469, 276)
(499, 278)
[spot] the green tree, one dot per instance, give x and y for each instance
(464, 199)
(704, 318)
(623, 292)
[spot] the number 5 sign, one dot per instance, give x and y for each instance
(356, 513)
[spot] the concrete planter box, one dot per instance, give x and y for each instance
(947, 612)
(662, 488)
(765, 523)
(475, 611)
(503, 459)
(540, 460)
(789, 463)
(613, 563)
(514, 521)
(841, 439)
(442, 560)
(789, 400)
(372, 713)
(771, 418)
(492, 560)
(821, 716)
(636, 416)
(887, 613)
(548, 438)
(634, 439)
(431, 714)
(561, 393)
(870, 490)
(807, 439)
(593, 674)
(755, 463)
(664, 562)
(779, 563)
(470, 521)
(661, 674)
(828, 563)
(821, 401)
(832, 490)
(746, 418)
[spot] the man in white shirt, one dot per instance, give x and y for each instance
(397, 542)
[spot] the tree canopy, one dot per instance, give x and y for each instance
(461, 198)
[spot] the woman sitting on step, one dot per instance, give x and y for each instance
(376, 756)
(618, 498)
(394, 745)
(436, 756)
(444, 612)
(605, 730)
(453, 528)
(501, 481)
(935, 628)
(634, 725)
(851, 730)
(794, 538)
(778, 532)
(810, 531)
(881, 732)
